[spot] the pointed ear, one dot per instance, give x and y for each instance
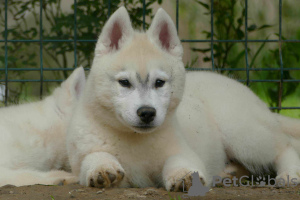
(115, 32)
(163, 32)
(75, 83)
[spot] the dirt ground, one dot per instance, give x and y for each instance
(75, 191)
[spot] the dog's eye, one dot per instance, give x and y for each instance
(125, 83)
(159, 83)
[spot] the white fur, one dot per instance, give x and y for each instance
(251, 134)
(218, 118)
(32, 137)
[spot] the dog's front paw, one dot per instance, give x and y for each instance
(101, 170)
(177, 179)
(104, 176)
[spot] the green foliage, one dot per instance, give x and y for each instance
(229, 24)
(174, 198)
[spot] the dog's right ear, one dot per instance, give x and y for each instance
(115, 33)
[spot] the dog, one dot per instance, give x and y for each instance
(143, 122)
(32, 145)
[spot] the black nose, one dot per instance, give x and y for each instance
(146, 114)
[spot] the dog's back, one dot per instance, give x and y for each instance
(33, 135)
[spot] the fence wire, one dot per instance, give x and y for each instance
(211, 41)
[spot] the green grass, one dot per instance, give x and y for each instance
(174, 198)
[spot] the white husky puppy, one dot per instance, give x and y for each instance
(32, 144)
(127, 129)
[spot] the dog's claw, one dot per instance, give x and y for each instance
(92, 184)
(172, 188)
(121, 174)
(111, 177)
(180, 188)
(100, 179)
(202, 181)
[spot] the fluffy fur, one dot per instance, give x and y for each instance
(32, 144)
(109, 145)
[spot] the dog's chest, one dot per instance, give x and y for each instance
(143, 157)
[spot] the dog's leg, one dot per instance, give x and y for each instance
(288, 165)
(178, 169)
(100, 169)
(234, 169)
(261, 146)
(22, 177)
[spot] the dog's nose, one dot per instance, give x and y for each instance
(146, 114)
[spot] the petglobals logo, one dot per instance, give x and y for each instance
(198, 189)
(258, 181)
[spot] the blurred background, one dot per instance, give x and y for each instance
(69, 30)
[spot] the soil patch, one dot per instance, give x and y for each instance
(78, 192)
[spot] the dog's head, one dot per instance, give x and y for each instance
(137, 76)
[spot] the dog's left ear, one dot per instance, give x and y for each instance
(115, 33)
(163, 33)
(75, 83)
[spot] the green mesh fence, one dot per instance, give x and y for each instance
(76, 43)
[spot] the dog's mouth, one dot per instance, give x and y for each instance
(144, 128)
(138, 127)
